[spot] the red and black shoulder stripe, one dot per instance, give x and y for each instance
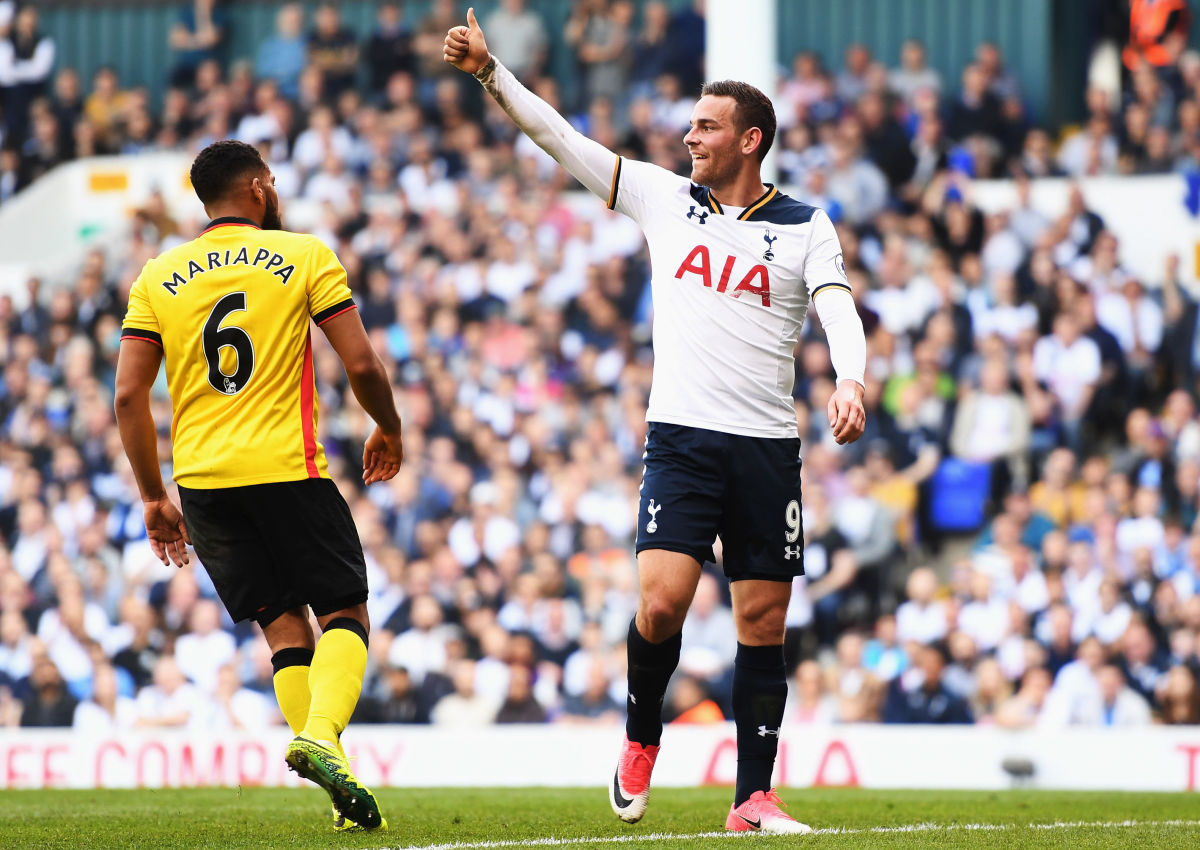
(142, 334)
(336, 310)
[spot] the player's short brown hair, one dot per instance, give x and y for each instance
(754, 109)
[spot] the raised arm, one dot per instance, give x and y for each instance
(588, 161)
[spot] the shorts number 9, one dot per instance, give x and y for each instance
(792, 516)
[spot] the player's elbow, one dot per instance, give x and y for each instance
(364, 367)
(127, 398)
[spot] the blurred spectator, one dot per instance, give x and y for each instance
(464, 708)
(428, 43)
(598, 32)
(992, 423)
(651, 48)
(855, 183)
(991, 692)
(106, 106)
(48, 703)
(709, 634)
(421, 648)
(1069, 364)
(333, 51)
(1157, 33)
(851, 81)
(107, 710)
(43, 150)
(919, 695)
(685, 48)
(196, 37)
(1076, 690)
(281, 57)
(10, 173)
(519, 705)
(856, 689)
(1136, 320)
(976, 110)
(884, 140)
(1118, 704)
(515, 31)
(829, 571)
(172, 701)
(1182, 332)
(1091, 151)
(883, 655)
(16, 645)
(26, 62)
(690, 705)
(595, 704)
(914, 74)
(1142, 662)
(921, 619)
(1000, 81)
(389, 49)
(812, 701)
(1181, 697)
(394, 700)
(206, 648)
(235, 707)
(1023, 709)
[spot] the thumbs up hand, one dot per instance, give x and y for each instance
(465, 48)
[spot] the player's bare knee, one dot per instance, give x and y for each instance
(761, 626)
(659, 619)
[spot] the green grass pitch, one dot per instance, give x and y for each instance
(483, 818)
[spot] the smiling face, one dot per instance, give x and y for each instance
(714, 141)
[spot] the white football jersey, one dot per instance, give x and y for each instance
(731, 289)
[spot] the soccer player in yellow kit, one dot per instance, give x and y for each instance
(230, 312)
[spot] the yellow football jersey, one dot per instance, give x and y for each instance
(231, 311)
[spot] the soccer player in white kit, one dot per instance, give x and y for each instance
(734, 264)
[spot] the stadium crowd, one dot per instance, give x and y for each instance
(1014, 541)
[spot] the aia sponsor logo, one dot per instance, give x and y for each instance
(755, 281)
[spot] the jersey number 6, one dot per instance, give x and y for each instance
(215, 337)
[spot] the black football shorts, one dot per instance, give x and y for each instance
(700, 484)
(273, 547)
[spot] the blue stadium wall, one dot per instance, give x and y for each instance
(1045, 40)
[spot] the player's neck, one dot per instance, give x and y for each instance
(742, 191)
(235, 211)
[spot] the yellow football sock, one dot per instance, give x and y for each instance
(291, 689)
(335, 682)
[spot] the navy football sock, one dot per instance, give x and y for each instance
(759, 695)
(650, 669)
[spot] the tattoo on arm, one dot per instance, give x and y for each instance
(487, 75)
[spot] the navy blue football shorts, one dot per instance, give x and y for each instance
(700, 484)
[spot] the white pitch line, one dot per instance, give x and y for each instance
(873, 830)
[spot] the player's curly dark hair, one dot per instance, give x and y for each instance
(754, 109)
(220, 165)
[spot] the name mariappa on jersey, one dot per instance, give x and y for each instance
(221, 259)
